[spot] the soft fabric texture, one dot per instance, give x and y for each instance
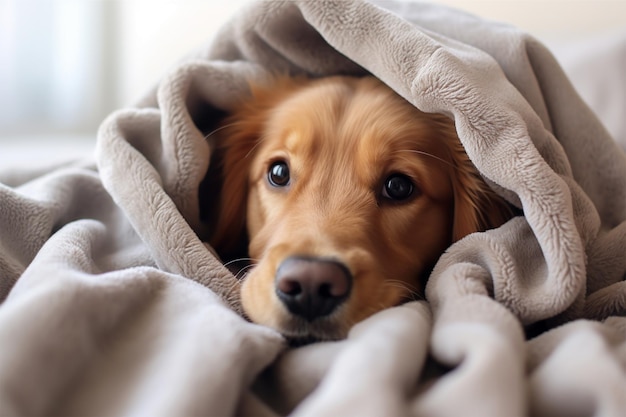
(113, 305)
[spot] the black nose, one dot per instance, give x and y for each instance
(312, 287)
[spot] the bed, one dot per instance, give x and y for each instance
(112, 304)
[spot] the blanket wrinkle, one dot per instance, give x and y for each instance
(606, 263)
(481, 351)
(171, 254)
(113, 303)
(582, 359)
(144, 296)
(606, 302)
(33, 358)
(295, 375)
(367, 364)
(33, 211)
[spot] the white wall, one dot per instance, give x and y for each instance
(154, 34)
(562, 19)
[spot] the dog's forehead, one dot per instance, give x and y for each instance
(345, 116)
(356, 127)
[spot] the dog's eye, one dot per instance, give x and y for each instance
(278, 174)
(398, 187)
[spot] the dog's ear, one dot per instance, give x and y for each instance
(236, 140)
(476, 206)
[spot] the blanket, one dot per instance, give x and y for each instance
(112, 304)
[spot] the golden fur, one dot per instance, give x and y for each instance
(342, 138)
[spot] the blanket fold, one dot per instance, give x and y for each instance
(112, 304)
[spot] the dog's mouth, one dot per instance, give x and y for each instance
(296, 342)
(299, 331)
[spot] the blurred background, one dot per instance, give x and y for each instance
(66, 64)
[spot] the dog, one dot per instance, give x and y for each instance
(344, 196)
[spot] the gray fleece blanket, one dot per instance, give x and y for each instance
(112, 305)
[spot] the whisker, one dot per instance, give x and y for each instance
(429, 155)
(243, 271)
(252, 260)
(238, 270)
(208, 135)
(258, 142)
(231, 294)
(247, 267)
(234, 287)
(403, 284)
(412, 292)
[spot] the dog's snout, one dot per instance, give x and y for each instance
(312, 287)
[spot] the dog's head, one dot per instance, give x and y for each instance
(348, 195)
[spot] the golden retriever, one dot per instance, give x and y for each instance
(345, 195)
